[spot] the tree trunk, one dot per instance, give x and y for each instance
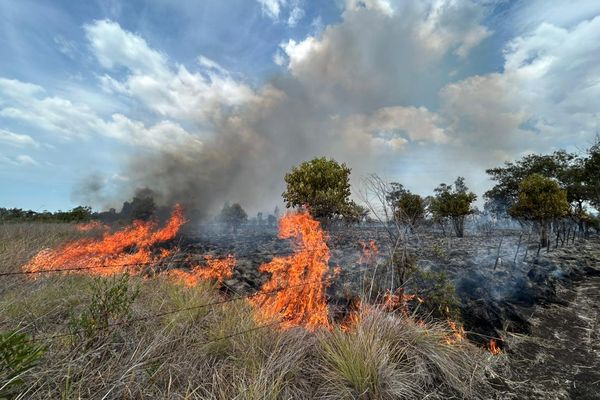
(544, 241)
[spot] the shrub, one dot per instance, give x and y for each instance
(17, 356)
(438, 295)
(110, 303)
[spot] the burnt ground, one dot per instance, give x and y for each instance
(545, 306)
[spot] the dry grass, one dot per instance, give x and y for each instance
(180, 356)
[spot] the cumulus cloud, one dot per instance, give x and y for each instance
(384, 53)
(69, 120)
(546, 96)
(169, 89)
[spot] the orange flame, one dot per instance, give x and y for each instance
(91, 226)
(493, 347)
(121, 251)
(218, 269)
(458, 333)
(356, 309)
(303, 302)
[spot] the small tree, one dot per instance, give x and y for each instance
(233, 216)
(321, 184)
(540, 200)
(453, 203)
(408, 208)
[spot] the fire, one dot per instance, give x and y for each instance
(369, 252)
(493, 347)
(356, 309)
(303, 302)
(120, 251)
(458, 333)
(217, 269)
(392, 301)
(91, 226)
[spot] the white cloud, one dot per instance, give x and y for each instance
(169, 90)
(393, 127)
(382, 53)
(272, 8)
(546, 97)
(67, 119)
(24, 159)
(18, 140)
(296, 15)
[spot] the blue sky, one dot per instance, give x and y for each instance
(215, 100)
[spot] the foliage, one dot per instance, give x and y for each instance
(233, 215)
(453, 203)
(77, 214)
(18, 354)
(323, 185)
(111, 302)
(591, 174)
(355, 213)
(408, 208)
(540, 200)
(438, 295)
(567, 169)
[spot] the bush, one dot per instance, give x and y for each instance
(438, 295)
(110, 303)
(17, 356)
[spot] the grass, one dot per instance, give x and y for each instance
(180, 356)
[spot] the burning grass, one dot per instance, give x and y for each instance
(224, 351)
(183, 355)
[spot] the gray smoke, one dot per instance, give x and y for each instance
(248, 154)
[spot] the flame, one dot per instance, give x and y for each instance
(356, 309)
(369, 252)
(217, 269)
(91, 226)
(458, 333)
(393, 302)
(493, 347)
(120, 251)
(303, 302)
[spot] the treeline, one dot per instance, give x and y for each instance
(77, 214)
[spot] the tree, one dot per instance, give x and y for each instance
(355, 213)
(453, 203)
(408, 208)
(560, 165)
(591, 174)
(541, 200)
(323, 185)
(233, 216)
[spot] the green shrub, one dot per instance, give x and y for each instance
(438, 295)
(110, 303)
(18, 354)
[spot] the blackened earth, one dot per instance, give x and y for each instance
(543, 303)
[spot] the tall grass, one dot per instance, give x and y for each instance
(182, 355)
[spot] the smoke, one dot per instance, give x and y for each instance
(348, 93)
(248, 154)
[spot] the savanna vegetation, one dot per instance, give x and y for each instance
(81, 336)
(76, 335)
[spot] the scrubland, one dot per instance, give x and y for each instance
(149, 337)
